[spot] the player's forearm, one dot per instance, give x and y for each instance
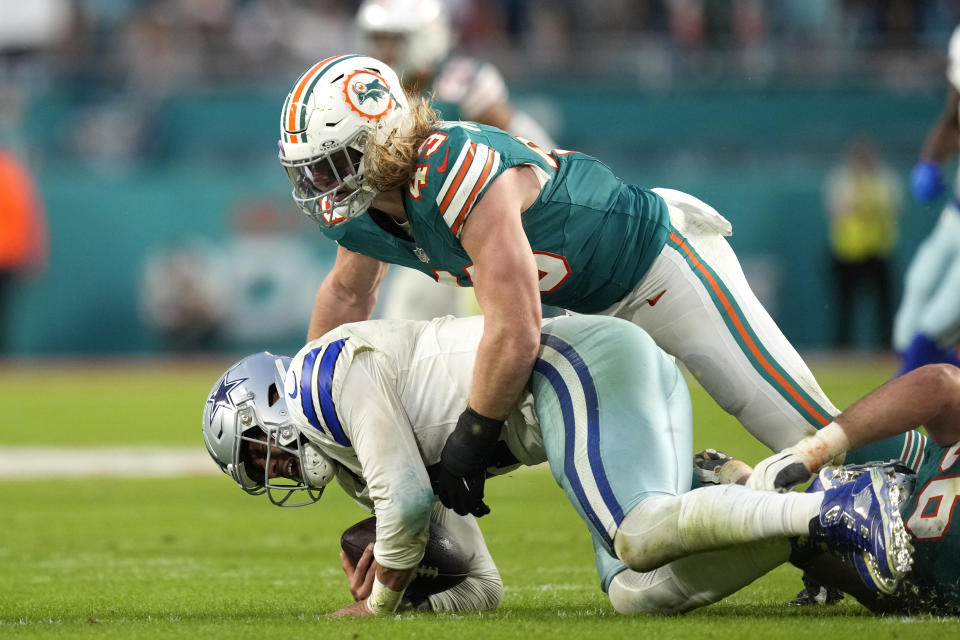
(943, 139)
(925, 396)
(928, 396)
(396, 579)
(504, 362)
(334, 306)
(387, 592)
(942, 143)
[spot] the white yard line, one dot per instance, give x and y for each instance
(31, 462)
(26, 463)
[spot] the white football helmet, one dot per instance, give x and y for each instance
(333, 112)
(422, 27)
(246, 409)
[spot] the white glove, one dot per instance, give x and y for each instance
(785, 470)
(780, 472)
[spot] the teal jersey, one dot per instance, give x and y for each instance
(364, 235)
(928, 514)
(593, 237)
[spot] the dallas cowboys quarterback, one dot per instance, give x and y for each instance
(471, 205)
(373, 403)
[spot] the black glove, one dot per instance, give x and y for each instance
(469, 448)
(464, 461)
(463, 495)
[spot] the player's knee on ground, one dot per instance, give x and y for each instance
(648, 535)
(653, 592)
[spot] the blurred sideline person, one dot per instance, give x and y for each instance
(182, 296)
(927, 324)
(472, 205)
(415, 37)
(863, 203)
(928, 396)
(372, 403)
(23, 234)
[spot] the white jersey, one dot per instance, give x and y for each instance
(384, 412)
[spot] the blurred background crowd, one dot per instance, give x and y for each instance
(166, 43)
(149, 130)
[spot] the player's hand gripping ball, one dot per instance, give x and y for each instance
(444, 564)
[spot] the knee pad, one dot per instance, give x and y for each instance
(648, 536)
(652, 592)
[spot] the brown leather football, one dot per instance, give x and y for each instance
(444, 564)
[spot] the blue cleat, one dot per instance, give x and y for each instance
(860, 523)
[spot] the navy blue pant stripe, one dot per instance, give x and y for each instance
(593, 421)
(570, 470)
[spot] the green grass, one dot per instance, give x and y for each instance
(189, 557)
(97, 404)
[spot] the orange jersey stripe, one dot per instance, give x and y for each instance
(464, 168)
(738, 323)
(473, 194)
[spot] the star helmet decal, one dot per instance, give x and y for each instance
(221, 397)
(368, 94)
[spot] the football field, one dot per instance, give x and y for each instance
(192, 556)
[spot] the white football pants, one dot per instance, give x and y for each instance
(696, 304)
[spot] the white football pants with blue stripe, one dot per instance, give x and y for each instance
(931, 296)
(615, 416)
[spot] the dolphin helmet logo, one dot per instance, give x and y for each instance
(372, 90)
(368, 93)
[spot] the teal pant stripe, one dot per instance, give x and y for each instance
(705, 273)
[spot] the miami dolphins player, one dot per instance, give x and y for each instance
(926, 328)
(374, 402)
(929, 396)
(415, 37)
(472, 205)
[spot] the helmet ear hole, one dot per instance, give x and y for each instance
(252, 470)
(273, 396)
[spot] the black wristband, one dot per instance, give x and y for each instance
(468, 449)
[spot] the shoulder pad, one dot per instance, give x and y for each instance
(314, 381)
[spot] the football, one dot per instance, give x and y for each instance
(444, 564)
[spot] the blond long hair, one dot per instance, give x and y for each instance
(391, 164)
